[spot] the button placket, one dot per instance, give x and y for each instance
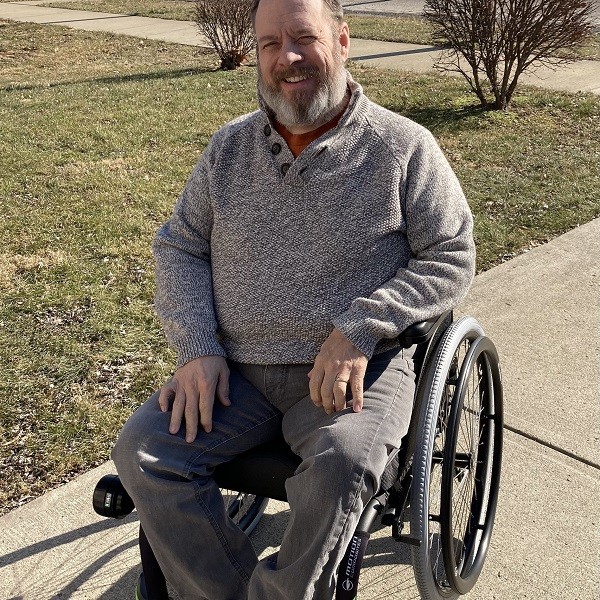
(283, 157)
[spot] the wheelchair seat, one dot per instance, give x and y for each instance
(261, 471)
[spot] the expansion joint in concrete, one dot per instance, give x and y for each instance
(535, 438)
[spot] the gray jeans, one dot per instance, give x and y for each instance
(202, 553)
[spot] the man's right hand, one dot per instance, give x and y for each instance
(194, 387)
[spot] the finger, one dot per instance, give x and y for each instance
(327, 394)
(314, 385)
(223, 388)
(191, 417)
(177, 411)
(356, 384)
(166, 393)
(340, 387)
(357, 399)
(207, 400)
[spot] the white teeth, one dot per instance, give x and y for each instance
(296, 79)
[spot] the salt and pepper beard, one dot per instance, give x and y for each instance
(307, 108)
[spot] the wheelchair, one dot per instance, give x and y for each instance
(440, 489)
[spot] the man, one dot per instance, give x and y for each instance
(310, 234)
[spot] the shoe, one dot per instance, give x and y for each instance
(140, 590)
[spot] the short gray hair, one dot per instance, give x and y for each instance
(334, 6)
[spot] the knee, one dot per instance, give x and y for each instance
(344, 462)
(134, 446)
(337, 468)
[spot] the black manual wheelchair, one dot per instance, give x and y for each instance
(442, 482)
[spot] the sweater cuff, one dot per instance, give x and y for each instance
(356, 328)
(189, 349)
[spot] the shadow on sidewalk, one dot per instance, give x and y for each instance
(65, 538)
(82, 560)
(178, 73)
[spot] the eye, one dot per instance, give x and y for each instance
(268, 45)
(306, 39)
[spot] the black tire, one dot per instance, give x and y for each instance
(110, 498)
(433, 402)
(471, 466)
(245, 510)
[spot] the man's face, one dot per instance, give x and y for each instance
(301, 56)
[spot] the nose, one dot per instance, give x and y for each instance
(290, 54)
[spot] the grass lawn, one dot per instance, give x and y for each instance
(164, 9)
(408, 30)
(99, 135)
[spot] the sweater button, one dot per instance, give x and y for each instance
(285, 167)
(267, 130)
(276, 148)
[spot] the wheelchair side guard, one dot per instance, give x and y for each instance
(423, 331)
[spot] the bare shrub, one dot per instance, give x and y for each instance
(228, 27)
(492, 42)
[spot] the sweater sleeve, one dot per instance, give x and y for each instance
(439, 229)
(184, 296)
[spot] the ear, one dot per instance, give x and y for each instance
(344, 39)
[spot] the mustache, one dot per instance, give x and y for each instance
(296, 72)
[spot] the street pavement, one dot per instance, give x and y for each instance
(541, 309)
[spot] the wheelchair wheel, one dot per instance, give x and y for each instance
(472, 462)
(245, 510)
(456, 461)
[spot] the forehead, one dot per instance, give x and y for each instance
(274, 15)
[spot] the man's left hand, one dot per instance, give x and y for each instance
(338, 365)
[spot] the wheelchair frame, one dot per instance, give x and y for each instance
(443, 480)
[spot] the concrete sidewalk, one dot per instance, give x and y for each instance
(410, 8)
(542, 310)
(580, 76)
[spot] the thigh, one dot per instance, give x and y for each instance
(344, 456)
(365, 438)
(249, 421)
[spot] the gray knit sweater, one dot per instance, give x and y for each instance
(366, 230)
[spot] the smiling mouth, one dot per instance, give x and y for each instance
(296, 79)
